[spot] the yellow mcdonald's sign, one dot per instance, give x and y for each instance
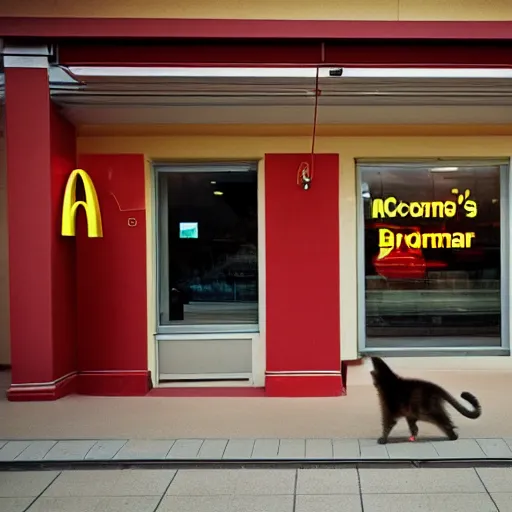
(91, 206)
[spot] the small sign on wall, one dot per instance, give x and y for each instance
(189, 230)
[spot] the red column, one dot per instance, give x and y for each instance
(302, 281)
(40, 148)
(111, 281)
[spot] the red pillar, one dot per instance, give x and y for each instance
(112, 335)
(303, 289)
(40, 148)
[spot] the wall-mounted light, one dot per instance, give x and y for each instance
(218, 193)
(304, 176)
(444, 169)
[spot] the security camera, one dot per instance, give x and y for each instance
(336, 72)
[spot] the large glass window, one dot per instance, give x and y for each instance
(432, 254)
(208, 246)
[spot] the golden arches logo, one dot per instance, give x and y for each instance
(90, 205)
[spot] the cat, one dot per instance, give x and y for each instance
(416, 400)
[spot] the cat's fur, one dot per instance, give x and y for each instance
(416, 400)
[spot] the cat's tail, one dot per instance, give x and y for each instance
(473, 414)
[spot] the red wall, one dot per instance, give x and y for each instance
(28, 191)
(63, 162)
(302, 264)
(40, 156)
(111, 281)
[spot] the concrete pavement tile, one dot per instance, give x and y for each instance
(495, 448)
(12, 449)
(265, 449)
(69, 450)
(106, 483)
(261, 504)
(2, 443)
(459, 449)
(292, 449)
(96, 504)
(319, 449)
(15, 504)
(105, 450)
(239, 449)
(25, 484)
(370, 449)
(185, 449)
(212, 449)
(346, 449)
(414, 480)
(407, 450)
(145, 449)
(428, 502)
(198, 482)
(330, 503)
(327, 481)
(496, 479)
(503, 501)
(36, 450)
(262, 482)
(195, 504)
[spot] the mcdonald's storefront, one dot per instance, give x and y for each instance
(251, 219)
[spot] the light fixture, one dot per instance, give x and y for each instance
(304, 176)
(444, 169)
(213, 182)
(218, 193)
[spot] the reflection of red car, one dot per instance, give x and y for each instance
(403, 262)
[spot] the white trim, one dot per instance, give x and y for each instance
(508, 264)
(259, 345)
(289, 72)
(426, 73)
(205, 336)
(26, 56)
(184, 72)
(313, 373)
(25, 62)
(211, 383)
(151, 283)
(209, 376)
(43, 385)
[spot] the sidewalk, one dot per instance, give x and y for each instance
(353, 416)
(251, 450)
(260, 490)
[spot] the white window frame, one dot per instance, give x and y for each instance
(505, 257)
(162, 254)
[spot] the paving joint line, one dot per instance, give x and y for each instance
(165, 492)
(295, 490)
(486, 490)
(360, 489)
(42, 492)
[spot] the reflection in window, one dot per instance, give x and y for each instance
(209, 245)
(432, 255)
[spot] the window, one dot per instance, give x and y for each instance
(432, 254)
(208, 247)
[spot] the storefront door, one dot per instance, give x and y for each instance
(208, 287)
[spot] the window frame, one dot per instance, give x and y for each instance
(163, 257)
(405, 165)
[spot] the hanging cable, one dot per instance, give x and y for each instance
(306, 171)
